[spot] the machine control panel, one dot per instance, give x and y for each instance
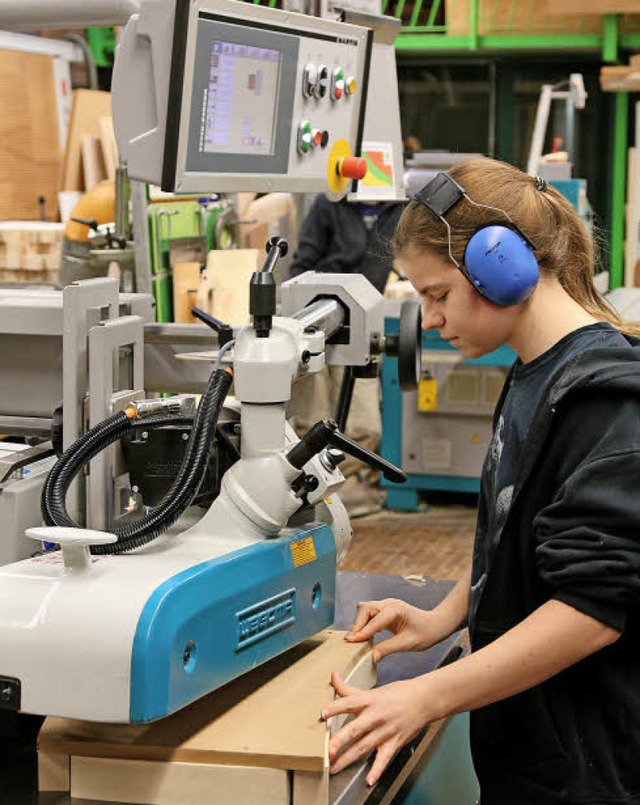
(221, 95)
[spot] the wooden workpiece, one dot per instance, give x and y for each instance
(258, 739)
(621, 77)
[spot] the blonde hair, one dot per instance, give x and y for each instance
(563, 247)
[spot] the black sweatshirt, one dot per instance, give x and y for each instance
(335, 239)
(572, 534)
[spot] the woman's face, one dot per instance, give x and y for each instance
(461, 315)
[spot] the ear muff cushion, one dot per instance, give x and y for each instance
(501, 265)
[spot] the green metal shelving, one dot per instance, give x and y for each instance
(512, 25)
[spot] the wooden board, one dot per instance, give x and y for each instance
(268, 718)
(88, 106)
(631, 217)
(186, 281)
(144, 782)
(109, 146)
(93, 167)
(224, 286)
(522, 17)
(620, 78)
(593, 6)
(54, 772)
(30, 156)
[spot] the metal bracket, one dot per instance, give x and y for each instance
(20, 459)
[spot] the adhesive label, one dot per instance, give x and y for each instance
(428, 394)
(303, 551)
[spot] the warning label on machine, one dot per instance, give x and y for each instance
(303, 551)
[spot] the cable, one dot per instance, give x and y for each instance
(180, 495)
(221, 352)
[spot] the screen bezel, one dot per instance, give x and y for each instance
(210, 27)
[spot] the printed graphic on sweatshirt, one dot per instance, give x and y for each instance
(503, 494)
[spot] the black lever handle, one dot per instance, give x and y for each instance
(325, 433)
(262, 288)
(276, 247)
(347, 445)
(225, 331)
(90, 222)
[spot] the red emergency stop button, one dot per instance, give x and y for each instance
(351, 167)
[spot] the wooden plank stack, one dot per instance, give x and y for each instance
(621, 77)
(30, 251)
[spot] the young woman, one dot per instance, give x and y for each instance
(552, 596)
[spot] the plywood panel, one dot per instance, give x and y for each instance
(268, 718)
(224, 287)
(30, 155)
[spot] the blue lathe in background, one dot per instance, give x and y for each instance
(438, 434)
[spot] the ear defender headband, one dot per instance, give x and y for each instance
(498, 259)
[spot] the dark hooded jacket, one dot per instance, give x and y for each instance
(334, 239)
(572, 534)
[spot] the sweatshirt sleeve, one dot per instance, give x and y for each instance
(588, 539)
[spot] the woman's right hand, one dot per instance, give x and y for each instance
(414, 629)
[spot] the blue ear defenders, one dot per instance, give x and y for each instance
(501, 265)
(498, 260)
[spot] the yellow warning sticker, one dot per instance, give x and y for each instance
(428, 394)
(303, 551)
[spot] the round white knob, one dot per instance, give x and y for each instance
(74, 542)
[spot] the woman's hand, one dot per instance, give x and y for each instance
(414, 629)
(385, 719)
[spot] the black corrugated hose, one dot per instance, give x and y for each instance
(180, 495)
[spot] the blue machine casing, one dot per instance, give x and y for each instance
(211, 623)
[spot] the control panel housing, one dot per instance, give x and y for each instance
(221, 95)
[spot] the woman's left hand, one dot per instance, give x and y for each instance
(385, 719)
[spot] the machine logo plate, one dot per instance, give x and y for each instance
(265, 618)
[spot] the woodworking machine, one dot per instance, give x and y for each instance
(129, 607)
(132, 623)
